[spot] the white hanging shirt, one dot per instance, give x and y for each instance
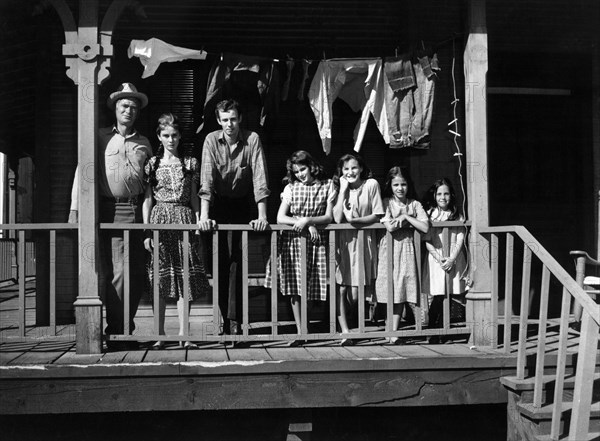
(360, 83)
(154, 51)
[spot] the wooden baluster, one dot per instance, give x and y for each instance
(245, 304)
(126, 281)
(52, 282)
(508, 280)
(21, 276)
(155, 283)
(522, 344)
(332, 284)
(494, 255)
(274, 285)
(217, 319)
(361, 281)
(304, 286)
(186, 285)
(448, 281)
(561, 364)
(420, 306)
(541, 347)
(586, 363)
(390, 280)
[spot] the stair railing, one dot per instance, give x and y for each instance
(586, 350)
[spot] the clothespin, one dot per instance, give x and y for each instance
(453, 121)
(422, 45)
(324, 57)
(396, 52)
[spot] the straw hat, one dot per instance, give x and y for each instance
(127, 90)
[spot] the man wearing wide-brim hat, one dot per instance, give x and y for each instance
(122, 153)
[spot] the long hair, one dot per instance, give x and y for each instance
(364, 174)
(164, 121)
(301, 157)
(396, 172)
(430, 203)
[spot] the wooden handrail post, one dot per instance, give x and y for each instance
(479, 311)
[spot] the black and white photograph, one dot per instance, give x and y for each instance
(300, 220)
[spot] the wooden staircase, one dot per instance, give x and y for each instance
(527, 421)
(555, 392)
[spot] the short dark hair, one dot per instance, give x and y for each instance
(302, 157)
(226, 106)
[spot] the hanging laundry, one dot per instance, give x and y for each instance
(264, 81)
(305, 65)
(285, 89)
(153, 52)
(358, 82)
(409, 97)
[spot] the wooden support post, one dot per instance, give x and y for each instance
(300, 425)
(476, 65)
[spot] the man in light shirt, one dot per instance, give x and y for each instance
(122, 153)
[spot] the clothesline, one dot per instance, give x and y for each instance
(424, 46)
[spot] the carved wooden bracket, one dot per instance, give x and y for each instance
(100, 50)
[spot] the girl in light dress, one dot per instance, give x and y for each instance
(307, 201)
(402, 216)
(172, 198)
(441, 203)
(359, 203)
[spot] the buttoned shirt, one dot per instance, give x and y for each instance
(120, 164)
(232, 173)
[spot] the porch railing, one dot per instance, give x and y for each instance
(557, 291)
(252, 331)
(24, 318)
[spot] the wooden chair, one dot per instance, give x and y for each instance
(587, 270)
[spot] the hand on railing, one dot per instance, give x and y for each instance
(300, 224)
(206, 225)
(259, 224)
(73, 217)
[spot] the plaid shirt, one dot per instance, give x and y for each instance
(233, 174)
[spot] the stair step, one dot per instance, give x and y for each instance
(517, 384)
(545, 412)
(592, 436)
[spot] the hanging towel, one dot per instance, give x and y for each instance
(359, 82)
(154, 51)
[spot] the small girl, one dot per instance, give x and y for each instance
(306, 201)
(441, 203)
(359, 203)
(172, 198)
(400, 214)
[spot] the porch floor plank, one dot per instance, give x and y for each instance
(171, 355)
(245, 354)
(209, 355)
(298, 353)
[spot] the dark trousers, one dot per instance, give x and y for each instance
(231, 211)
(112, 257)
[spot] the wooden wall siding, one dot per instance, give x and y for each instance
(537, 26)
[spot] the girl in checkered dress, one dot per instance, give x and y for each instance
(306, 201)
